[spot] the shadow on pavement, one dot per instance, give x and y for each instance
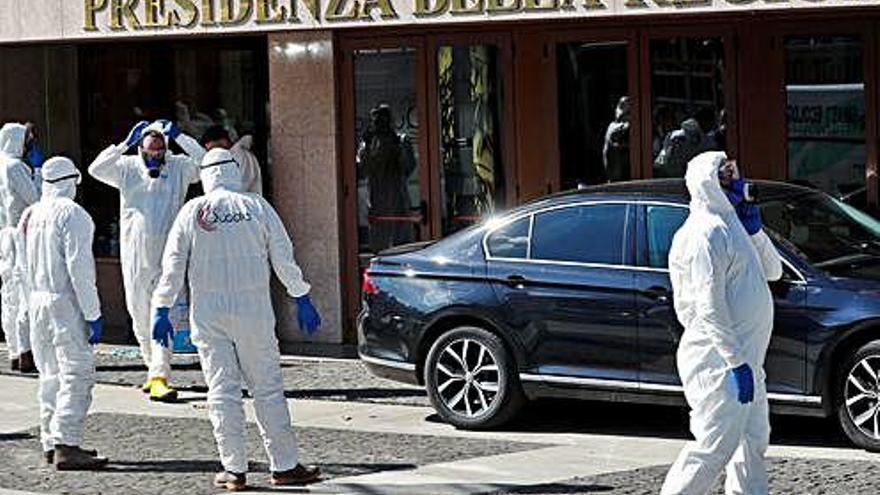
(355, 393)
(640, 420)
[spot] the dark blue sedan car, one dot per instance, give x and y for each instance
(569, 296)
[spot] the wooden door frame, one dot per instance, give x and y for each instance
(630, 36)
(724, 30)
(868, 31)
(348, 200)
(503, 41)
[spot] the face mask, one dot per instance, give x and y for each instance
(154, 164)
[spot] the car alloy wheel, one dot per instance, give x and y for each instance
(862, 396)
(472, 378)
(467, 377)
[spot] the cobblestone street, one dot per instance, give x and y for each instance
(372, 436)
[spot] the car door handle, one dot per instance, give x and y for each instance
(659, 294)
(517, 281)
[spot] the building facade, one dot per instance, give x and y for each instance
(383, 122)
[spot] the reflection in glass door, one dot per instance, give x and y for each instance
(595, 113)
(470, 101)
(389, 197)
(687, 101)
(825, 90)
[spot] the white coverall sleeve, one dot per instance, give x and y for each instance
(770, 260)
(711, 312)
(79, 231)
(175, 260)
(195, 152)
(22, 185)
(106, 167)
(281, 254)
(20, 269)
(7, 253)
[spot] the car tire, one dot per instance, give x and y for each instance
(472, 379)
(858, 397)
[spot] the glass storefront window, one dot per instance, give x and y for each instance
(687, 101)
(825, 100)
(594, 113)
(386, 135)
(470, 102)
(199, 84)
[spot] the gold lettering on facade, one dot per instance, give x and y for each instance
(463, 7)
(186, 15)
(384, 6)
(122, 12)
(92, 7)
(538, 5)
(502, 6)
(229, 16)
(208, 13)
(269, 12)
(312, 6)
(431, 8)
(154, 14)
(340, 10)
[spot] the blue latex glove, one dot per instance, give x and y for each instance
(745, 383)
(169, 128)
(163, 331)
(96, 330)
(35, 156)
(307, 316)
(749, 214)
(135, 134)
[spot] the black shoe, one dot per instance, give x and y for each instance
(300, 475)
(233, 482)
(14, 365)
(69, 458)
(49, 455)
(26, 363)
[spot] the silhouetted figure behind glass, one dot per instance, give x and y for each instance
(386, 161)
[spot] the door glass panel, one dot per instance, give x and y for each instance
(687, 101)
(582, 234)
(825, 90)
(663, 223)
(594, 113)
(470, 103)
(386, 130)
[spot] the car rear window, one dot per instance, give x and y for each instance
(510, 241)
(583, 234)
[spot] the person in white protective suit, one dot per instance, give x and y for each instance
(9, 296)
(719, 264)
(17, 192)
(227, 242)
(65, 313)
(152, 187)
(251, 177)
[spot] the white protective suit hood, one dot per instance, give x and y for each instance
(702, 183)
(220, 170)
(60, 178)
(12, 138)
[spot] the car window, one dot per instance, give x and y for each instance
(663, 223)
(583, 234)
(510, 241)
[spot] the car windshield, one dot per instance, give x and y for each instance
(824, 231)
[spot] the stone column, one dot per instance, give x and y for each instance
(304, 171)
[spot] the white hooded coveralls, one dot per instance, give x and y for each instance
(227, 242)
(719, 277)
(146, 211)
(17, 192)
(60, 270)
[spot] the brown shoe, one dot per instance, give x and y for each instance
(14, 365)
(69, 458)
(26, 363)
(49, 455)
(300, 475)
(231, 481)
